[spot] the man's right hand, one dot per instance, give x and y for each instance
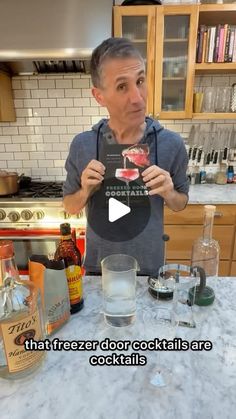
(92, 177)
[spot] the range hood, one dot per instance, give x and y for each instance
(52, 35)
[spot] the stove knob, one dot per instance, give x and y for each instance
(65, 215)
(26, 215)
(38, 215)
(14, 216)
(2, 215)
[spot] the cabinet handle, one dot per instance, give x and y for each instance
(218, 214)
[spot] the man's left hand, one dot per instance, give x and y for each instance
(158, 181)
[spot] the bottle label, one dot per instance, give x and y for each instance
(14, 336)
(74, 278)
(57, 315)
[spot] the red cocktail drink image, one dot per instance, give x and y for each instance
(127, 175)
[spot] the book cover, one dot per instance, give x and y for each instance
(227, 42)
(124, 164)
(221, 46)
(232, 42)
(217, 41)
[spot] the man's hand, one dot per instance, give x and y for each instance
(92, 177)
(158, 180)
(160, 183)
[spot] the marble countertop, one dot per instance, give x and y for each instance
(67, 386)
(212, 194)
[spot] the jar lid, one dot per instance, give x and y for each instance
(6, 249)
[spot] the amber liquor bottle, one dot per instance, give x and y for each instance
(69, 252)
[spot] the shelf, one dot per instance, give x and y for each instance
(176, 40)
(173, 78)
(216, 67)
(138, 41)
(215, 115)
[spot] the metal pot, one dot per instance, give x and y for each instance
(9, 183)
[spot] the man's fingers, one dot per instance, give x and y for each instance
(92, 174)
(157, 180)
(97, 166)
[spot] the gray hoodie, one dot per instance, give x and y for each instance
(167, 150)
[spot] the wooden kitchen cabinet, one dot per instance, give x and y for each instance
(185, 226)
(7, 111)
(166, 37)
(233, 265)
(169, 43)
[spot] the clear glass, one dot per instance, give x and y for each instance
(175, 60)
(20, 319)
(205, 250)
(119, 289)
(135, 28)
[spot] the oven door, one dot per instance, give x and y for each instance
(29, 242)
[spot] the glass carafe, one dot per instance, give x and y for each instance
(205, 250)
(119, 289)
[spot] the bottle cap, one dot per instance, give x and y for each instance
(65, 229)
(6, 249)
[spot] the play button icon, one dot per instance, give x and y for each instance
(116, 210)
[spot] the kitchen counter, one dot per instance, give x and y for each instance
(212, 194)
(67, 386)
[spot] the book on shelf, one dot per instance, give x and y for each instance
(216, 44)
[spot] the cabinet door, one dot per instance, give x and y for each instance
(176, 36)
(7, 111)
(138, 25)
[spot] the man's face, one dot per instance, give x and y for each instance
(123, 90)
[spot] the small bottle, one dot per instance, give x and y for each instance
(205, 250)
(230, 174)
(20, 318)
(69, 252)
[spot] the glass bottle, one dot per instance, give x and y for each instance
(69, 252)
(20, 318)
(205, 250)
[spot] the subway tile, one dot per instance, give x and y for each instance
(24, 112)
(48, 103)
(64, 155)
(81, 102)
(60, 147)
(59, 163)
(59, 129)
(42, 130)
(87, 93)
(91, 111)
(19, 139)
(56, 93)
(44, 147)
(75, 129)
(50, 120)
(14, 164)
(54, 171)
(46, 84)
(21, 94)
(37, 138)
(34, 121)
(57, 111)
(52, 138)
(10, 130)
(93, 102)
(66, 120)
(73, 111)
(65, 138)
(3, 164)
(103, 112)
(31, 103)
(73, 93)
(16, 84)
(45, 163)
(2, 149)
(8, 156)
(12, 147)
(65, 103)
(95, 119)
(29, 84)
(30, 163)
(28, 147)
(21, 156)
(81, 83)
(54, 75)
(18, 103)
(54, 155)
(20, 122)
(37, 155)
(81, 120)
(39, 172)
(39, 94)
(63, 84)
(40, 112)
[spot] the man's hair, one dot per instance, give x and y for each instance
(111, 48)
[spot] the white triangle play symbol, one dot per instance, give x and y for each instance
(116, 210)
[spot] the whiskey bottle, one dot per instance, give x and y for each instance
(69, 252)
(20, 318)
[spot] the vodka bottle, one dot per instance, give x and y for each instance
(205, 250)
(20, 318)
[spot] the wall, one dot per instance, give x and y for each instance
(52, 109)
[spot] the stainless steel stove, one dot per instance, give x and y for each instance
(37, 206)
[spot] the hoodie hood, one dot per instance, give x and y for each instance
(104, 128)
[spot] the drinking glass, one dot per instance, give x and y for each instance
(160, 323)
(209, 99)
(222, 102)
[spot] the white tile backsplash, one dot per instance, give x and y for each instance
(51, 109)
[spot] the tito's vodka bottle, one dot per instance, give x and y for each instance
(20, 318)
(205, 250)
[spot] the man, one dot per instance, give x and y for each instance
(118, 76)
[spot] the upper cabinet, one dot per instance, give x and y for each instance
(166, 37)
(7, 111)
